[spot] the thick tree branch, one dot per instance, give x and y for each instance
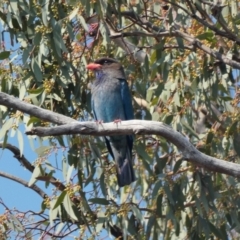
(15, 103)
(190, 153)
(24, 183)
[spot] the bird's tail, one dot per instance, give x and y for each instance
(125, 171)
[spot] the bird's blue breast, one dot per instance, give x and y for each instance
(107, 101)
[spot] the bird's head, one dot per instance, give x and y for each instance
(107, 66)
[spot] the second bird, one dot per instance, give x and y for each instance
(111, 100)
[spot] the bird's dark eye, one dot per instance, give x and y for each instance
(106, 62)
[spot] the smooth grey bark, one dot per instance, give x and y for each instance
(189, 152)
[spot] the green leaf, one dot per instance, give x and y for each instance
(36, 173)
(20, 141)
(156, 188)
(69, 173)
(226, 98)
(64, 168)
(102, 185)
(216, 231)
(36, 70)
(68, 205)
(17, 224)
(147, 160)
(151, 222)
(159, 204)
(101, 201)
(131, 225)
(176, 99)
(169, 194)
(168, 119)
(73, 15)
(33, 120)
(180, 43)
(41, 151)
(36, 91)
(59, 43)
(5, 140)
(161, 163)
(59, 199)
(137, 213)
(59, 227)
(177, 195)
(234, 8)
(210, 137)
(177, 166)
(190, 130)
(232, 129)
(236, 142)
(155, 116)
(95, 150)
(4, 55)
(206, 36)
(44, 205)
(6, 126)
(80, 178)
(45, 12)
(53, 213)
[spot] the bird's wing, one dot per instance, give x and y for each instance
(106, 138)
(126, 99)
(127, 106)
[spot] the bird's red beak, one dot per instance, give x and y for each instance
(93, 66)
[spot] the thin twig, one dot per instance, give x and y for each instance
(24, 183)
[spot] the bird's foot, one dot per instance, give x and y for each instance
(117, 121)
(99, 122)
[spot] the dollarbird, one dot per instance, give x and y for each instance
(111, 100)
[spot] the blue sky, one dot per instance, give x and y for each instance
(12, 193)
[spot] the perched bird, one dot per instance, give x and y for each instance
(111, 100)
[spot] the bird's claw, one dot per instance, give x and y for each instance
(117, 121)
(99, 122)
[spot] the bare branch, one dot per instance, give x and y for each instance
(15, 103)
(190, 153)
(30, 167)
(17, 155)
(225, 34)
(194, 41)
(127, 46)
(24, 183)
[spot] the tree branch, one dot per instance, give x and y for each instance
(17, 155)
(30, 167)
(15, 103)
(227, 34)
(24, 183)
(190, 153)
(194, 41)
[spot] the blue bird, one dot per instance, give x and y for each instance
(111, 100)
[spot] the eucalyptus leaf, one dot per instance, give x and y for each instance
(101, 201)
(59, 199)
(4, 55)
